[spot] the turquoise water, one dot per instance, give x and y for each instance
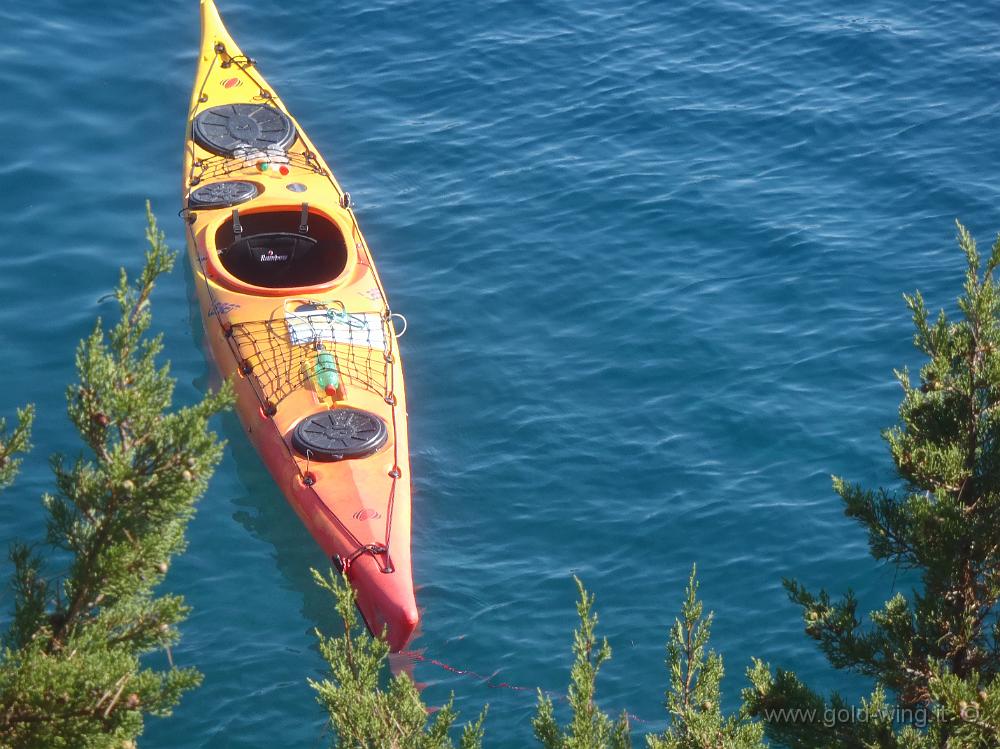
(651, 255)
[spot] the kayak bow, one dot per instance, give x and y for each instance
(296, 316)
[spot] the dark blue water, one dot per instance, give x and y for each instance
(651, 254)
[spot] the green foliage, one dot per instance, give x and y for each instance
(798, 718)
(363, 713)
(968, 714)
(70, 670)
(693, 700)
(934, 648)
(590, 727)
(13, 444)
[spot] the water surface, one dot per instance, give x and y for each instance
(651, 255)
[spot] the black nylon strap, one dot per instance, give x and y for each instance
(304, 220)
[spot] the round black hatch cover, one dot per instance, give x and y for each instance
(229, 127)
(222, 194)
(341, 433)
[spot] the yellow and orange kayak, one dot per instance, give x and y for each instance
(296, 316)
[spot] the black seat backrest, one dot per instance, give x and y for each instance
(274, 249)
(263, 259)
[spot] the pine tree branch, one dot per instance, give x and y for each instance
(71, 674)
(15, 443)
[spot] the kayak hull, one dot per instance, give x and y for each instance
(308, 341)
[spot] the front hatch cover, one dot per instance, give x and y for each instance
(231, 127)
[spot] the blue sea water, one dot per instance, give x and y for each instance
(652, 256)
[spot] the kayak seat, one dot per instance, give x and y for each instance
(269, 249)
(268, 257)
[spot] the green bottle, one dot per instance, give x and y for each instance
(327, 376)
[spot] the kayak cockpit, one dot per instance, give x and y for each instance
(284, 248)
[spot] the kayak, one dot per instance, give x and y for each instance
(297, 318)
